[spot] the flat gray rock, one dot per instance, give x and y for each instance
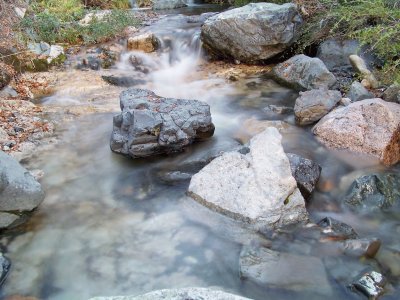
(284, 270)
(304, 73)
(180, 294)
(312, 105)
(150, 124)
(257, 187)
(253, 32)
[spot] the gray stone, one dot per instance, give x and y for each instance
(312, 105)
(150, 125)
(5, 265)
(366, 247)
(336, 230)
(168, 4)
(371, 285)
(123, 80)
(284, 270)
(280, 110)
(191, 293)
(19, 191)
(7, 219)
(358, 92)
(257, 187)
(304, 73)
(252, 33)
(335, 54)
(376, 191)
(200, 18)
(392, 93)
(306, 172)
(8, 92)
(369, 126)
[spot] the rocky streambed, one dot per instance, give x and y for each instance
(236, 181)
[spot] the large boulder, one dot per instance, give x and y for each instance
(257, 187)
(304, 73)
(312, 105)
(191, 293)
(19, 191)
(306, 172)
(376, 191)
(335, 53)
(150, 124)
(253, 32)
(369, 126)
(284, 270)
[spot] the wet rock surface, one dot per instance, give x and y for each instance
(306, 172)
(376, 191)
(392, 93)
(371, 285)
(146, 42)
(151, 125)
(312, 105)
(5, 265)
(304, 73)
(180, 294)
(369, 126)
(167, 4)
(336, 230)
(19, 191)
(231, 34)
(257, 187)
(284, 270)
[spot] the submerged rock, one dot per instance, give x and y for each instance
(336, 230)
(150, 124)
(306, 172)
(312, 105)
(376, 191)
(19, 191)
(253, 32)
(284, 270)
(369, 126)
(180, 294)
(371, 285)
(257, 187)
(123, 80)
(5, 265)
(304, 73)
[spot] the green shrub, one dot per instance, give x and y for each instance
(49, 28)
(107, 4)
(65, 10)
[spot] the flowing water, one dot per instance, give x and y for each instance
(114, 226)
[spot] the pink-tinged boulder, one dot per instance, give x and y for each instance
(369, 126)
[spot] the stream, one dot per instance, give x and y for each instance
(111, 225)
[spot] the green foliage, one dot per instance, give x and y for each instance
(65, 10)
(107, 4)
(59, 24)
(245, 2)
(375, 23)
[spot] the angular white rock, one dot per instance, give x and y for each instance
(257, 187)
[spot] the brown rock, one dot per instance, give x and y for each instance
(146, 42)
(369, 126)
